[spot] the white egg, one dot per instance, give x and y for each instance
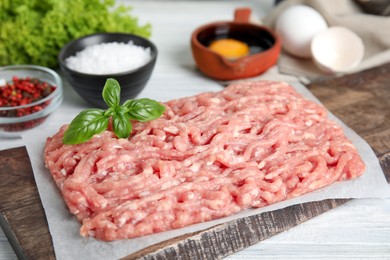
(296, 26)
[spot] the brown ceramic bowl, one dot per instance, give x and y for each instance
(264, 47)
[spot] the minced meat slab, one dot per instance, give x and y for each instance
(209, 156)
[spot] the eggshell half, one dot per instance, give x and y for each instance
(337, 49)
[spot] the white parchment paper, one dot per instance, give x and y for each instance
(64, 228)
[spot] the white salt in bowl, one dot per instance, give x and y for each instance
(337, 49)
(88, 75)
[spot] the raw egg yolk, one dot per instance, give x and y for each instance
(230, 48)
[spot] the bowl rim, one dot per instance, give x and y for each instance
(154, 53)
(57, 91)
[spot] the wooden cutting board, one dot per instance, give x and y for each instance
(360, 100)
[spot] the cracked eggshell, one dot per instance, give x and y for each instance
(296, 26)
(337, 49)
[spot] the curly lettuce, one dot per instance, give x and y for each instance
(34, 31)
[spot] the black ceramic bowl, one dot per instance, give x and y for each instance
(90, 86)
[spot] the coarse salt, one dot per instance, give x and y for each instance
(109, 58)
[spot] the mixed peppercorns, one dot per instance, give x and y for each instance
(20, 92)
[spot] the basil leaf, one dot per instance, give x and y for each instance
(144, 109)
(121, 125)
(110, 111)
(86, 124)
(112, 93)
(93, 121)
(121, 110)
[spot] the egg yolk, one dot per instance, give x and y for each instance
(230, 48)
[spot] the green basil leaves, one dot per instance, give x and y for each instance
(94, 121)
(144, 109)
(112, 93)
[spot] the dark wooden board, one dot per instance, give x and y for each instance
(21, 213)
(360, 100)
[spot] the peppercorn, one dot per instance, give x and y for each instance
(20, 92)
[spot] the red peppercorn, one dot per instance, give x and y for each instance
(21, 92)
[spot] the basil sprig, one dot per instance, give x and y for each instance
(94, 121)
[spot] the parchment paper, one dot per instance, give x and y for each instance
(64, 228)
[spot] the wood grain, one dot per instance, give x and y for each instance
(360, 100)
(21, 213)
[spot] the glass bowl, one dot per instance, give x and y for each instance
(15, 120)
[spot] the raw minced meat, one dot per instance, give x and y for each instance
(209, 156)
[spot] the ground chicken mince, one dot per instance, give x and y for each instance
(209, 156)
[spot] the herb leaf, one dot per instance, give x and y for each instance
(121, 125)
(112, 93)
(88, 123)
(93, 121)
(144, 109)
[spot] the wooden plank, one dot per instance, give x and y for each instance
(360, 100)
(21, 213)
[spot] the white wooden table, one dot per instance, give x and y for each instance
(359, 229)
